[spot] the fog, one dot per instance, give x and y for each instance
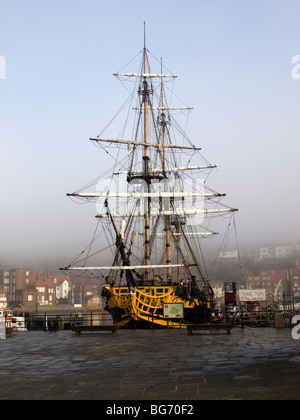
(235, 69)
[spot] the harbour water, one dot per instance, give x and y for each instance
(170, 365)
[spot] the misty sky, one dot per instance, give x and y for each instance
(233, 59)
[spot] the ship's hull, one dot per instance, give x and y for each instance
(155, 306)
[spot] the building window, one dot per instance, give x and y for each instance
(30, 298)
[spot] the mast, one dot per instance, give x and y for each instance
(163, 122)
(146, 164)
(154, 157)
(167, 218)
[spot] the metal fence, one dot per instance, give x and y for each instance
(57, 322)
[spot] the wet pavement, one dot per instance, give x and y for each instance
(249, 364)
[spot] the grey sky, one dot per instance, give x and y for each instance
(234, 64)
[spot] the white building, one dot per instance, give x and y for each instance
(283, 251)
(264, 253)
(62, 290)
(3, 299)
(218, 290)
(229, 254)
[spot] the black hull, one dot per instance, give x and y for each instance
(196, 315)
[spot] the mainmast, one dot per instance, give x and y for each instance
(146, 160)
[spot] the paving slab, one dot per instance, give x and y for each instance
(151, 365)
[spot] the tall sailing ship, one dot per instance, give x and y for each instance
(154, 209)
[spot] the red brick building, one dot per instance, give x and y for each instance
(269, 280)
(295, 281)
(38, 289)
(26, 287)
(46, 292)
(84, 289)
